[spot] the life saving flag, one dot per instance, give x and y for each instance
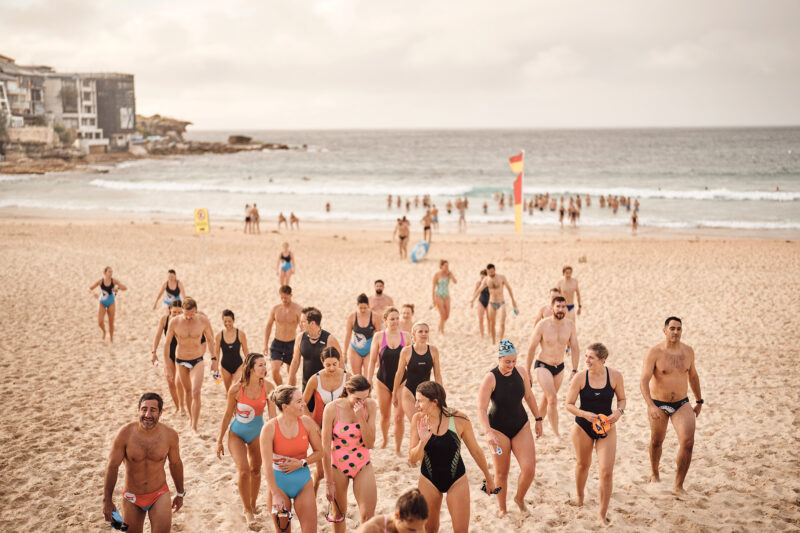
(517, 163)
(518, 203)
(201, 224)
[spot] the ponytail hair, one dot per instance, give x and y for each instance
(411, 505)
(282, 395)
(355, 383)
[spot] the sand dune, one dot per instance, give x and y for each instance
(67, 392)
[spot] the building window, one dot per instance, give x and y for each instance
(69, 96)
(87, 83)
(87, 109)
(98, 135)
(36, 95)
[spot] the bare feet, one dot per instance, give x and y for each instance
(384, 444)
(500, 513)
(249, 517)
(521, 504)
(577, 502)
(655, 478)
(604, 520)
(678, 491)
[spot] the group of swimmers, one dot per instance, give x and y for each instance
(331, 422)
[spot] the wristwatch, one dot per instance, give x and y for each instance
(621, 410)
(181, 494)
(700, 401)
(305, 463)
(539, 419)
(574, 370)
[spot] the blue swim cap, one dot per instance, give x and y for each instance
(506, 348)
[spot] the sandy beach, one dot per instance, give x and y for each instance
(69, 392)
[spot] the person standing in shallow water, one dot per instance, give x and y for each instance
(596, 387)
(107, 300)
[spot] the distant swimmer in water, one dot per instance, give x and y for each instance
(172, 290)
(108, 290)
(441, 292)
(170, 372)
(286, 265)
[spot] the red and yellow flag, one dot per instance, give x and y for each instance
(517, 163)
(518, 203)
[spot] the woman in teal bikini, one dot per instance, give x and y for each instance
(108, 290)
(441, 292)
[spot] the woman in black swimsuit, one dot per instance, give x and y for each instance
(175, 389)
(415, 366)
(483, 301)
(232, 343)
(596, 386)
(506, 423)
(435, 442)
(385, 356)
(172, 289)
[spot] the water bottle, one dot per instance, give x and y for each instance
(217, 377)
(499, 451)
(515, 311)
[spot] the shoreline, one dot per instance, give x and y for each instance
(448, 230)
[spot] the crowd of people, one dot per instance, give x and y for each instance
(298, 435)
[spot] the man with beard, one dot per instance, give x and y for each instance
(667, 373)
(189, 329)
(145, 446)
(497, 304)
(286, 317)
(554, 334)
(380, 302)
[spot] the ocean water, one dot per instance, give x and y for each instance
(746, 178)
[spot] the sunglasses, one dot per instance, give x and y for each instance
(328, 513)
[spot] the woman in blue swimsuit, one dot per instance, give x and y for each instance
(286, 265)
(172, 290)
(358, 339)
(441, 292)
(246, 404)
(108, 290)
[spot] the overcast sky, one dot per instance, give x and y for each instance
(290, 64)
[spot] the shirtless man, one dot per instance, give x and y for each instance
(145, 446)
(426, 222)
(282, 220)
(189, 329)
(569, 290)
(294, 221)
(379, 303)
(554, 334)
(402, 230)
(286, 317)
(496, 283)
(254, 216)
(667, 373)
(547, 309)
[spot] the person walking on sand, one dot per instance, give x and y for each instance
(348, 433)
(286, 265)
(247, 218)
(403, 231)
(107, 306)
(440, 293)
(385, 356)
(294, 221)
(246, 404)
(144, 446)
(416, 363)
(570, 290)
(172, 289)
(426, 222)
(285, 316)
(596, 387)
(547, 309)
(483, 302)
(282, 220)
(436, 434)
(308, 347)
(380, 301)
(407, 318)
(668, 371)
(189, 328)
(497, 304)
(360, 329)
(506, 423)
(410, 515)
(553, 334)
(327, 384)
(255, 227)
(284, 441)
(232, 344)
(170, 373)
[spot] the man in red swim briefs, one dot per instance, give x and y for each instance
(145, 446)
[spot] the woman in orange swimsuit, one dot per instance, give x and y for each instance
(348, 432)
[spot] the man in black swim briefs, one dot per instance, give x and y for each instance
(286, 318)
(554, 334)
(667, 373)
(190, 328)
